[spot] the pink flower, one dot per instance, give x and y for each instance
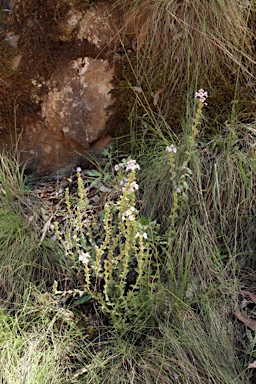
(202, 95)
(171, 148)
(134, 185)
(132, 165)
(118, 166)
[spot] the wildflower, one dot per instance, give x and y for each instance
(130, 217)
(124, 181)
(78, 169)
(202, 95)
(84, 257)
(132, 165)
(178, 190)
(118, 166)
(144, 235)
(129, 214)
(171, 148)
(134, 185)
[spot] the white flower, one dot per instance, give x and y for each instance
(171, 148)
(144, 235)
(134, 185)
(78, 169)
(132, 165)
(84, 257)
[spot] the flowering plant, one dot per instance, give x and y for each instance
(183, 187)
(119, 262)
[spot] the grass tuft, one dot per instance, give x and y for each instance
(25, 256)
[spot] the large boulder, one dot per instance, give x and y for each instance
(73, 103)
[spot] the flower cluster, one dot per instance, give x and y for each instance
(84, 257)
(171, 148)
(132, 165)
(129, 214)
(144, 235)
(118, 166)
(201, 95)
(125, 182)
(131, 187)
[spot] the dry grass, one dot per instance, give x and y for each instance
(178, 35)
(177, 47)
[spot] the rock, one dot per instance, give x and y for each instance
(76, 105)
(74, 117)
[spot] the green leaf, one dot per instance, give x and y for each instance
(107, 177)
(184, 197)
(96, 181)
(82, 300)
(93, 173)
(106, 167)
(144, 220)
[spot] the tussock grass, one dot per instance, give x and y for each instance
(35, 343)
(222, 188)
(186, 34)
(12, 178)
(180, 46)
(186, 346)
(25, 256)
